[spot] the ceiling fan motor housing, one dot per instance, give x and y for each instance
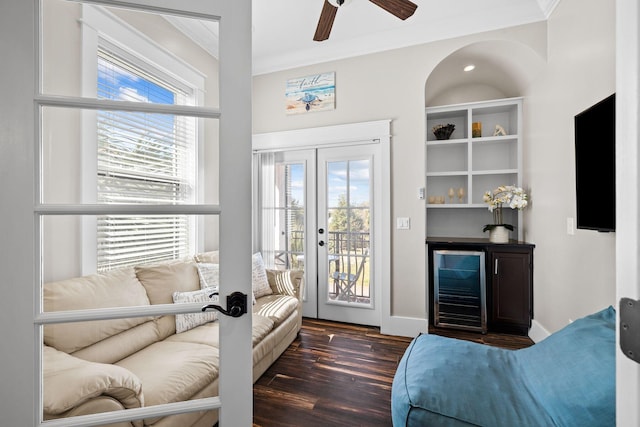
(338, 3)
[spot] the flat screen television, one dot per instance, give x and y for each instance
(595, 147)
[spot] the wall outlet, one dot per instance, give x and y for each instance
(571, 226)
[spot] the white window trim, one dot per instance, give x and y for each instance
(102, 28)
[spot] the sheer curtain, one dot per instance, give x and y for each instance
(267, 206)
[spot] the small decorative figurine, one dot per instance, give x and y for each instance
(499, 131)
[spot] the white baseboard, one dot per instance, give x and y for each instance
(537, 333)
(412, 326)
(404, 326)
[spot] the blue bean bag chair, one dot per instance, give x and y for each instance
(568, 379)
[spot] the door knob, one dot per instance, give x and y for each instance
(321, 231)
(321, 243)
(236, 305)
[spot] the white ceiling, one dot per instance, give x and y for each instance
(283, 29)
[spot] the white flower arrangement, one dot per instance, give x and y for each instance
(505, 195)
(509, 195)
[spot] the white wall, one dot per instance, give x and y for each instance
(387, 85)
(574, 275)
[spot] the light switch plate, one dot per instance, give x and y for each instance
(403, 223)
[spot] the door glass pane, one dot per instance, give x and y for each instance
(283, 215)
(348, 211)
(120, 47)
(134, 361)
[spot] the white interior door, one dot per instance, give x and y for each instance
(44, 104)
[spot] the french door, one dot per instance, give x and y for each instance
(47, 150)
(319, 213)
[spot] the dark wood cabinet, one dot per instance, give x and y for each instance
(511, 278)
(509, 281)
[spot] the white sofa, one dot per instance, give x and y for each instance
(100, 366)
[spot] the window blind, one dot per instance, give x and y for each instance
(142, 158)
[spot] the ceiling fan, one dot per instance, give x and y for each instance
(400, 8)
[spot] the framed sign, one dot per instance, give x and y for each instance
(311, 93)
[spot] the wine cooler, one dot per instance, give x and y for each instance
(460, 289)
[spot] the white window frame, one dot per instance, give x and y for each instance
(102, 29)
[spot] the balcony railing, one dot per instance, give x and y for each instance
(346, 251)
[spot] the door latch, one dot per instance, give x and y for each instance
(630, 328)
(236, 305)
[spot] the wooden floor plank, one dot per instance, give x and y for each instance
(337, 374)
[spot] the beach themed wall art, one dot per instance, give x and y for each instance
(311, 93)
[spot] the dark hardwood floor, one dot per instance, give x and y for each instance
(337, 374)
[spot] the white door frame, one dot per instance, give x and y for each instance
(21, 210)
(378, 132)
(627, 200)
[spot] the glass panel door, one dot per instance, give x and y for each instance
(132, 176)
(346, 236)
(287, 216)
(317, 213)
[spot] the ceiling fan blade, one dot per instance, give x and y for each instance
(400, 8)
(325, 22)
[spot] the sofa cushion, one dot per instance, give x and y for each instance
(117, 347)
(209, 333)
(209, 274)
(172, 371)
(212, 257)
(69, 382)
(285, 282)
(259, 281)
(206, 334)
(162, 280)
(275, 307)
(187, 321)
(117, 288)
(260, 328)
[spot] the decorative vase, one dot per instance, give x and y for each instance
(499, 234)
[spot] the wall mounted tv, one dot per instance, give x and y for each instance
(595, 141)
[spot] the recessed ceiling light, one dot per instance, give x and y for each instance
(469, 67)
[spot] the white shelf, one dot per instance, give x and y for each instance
(474, 164)
(494, 172)
(448, 141)
(450, 173)
(455, 205)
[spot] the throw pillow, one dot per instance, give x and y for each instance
(282, 282)
(209, 274)
(187, 321)
(259, 280)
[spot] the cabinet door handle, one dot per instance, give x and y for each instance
(495, 268)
